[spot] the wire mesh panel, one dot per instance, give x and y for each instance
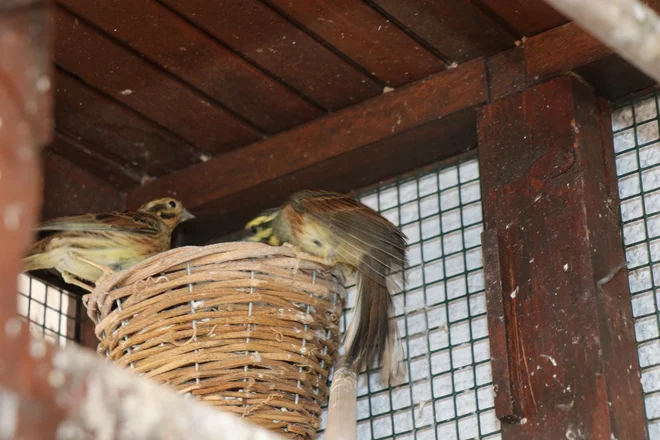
(637, 150)
(51, 312)
(441, 316)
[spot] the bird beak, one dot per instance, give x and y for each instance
(186, 215)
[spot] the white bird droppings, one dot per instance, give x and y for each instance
(126, 92)
(12, 216)
(56, 378)
(550, 358)
(13, 327)
(37, 348)
(515, 292)
(8, 414)
(43, 84)
(565, 267)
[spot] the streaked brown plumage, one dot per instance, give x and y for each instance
(80, 246)
(343, 231)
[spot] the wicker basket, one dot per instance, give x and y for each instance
(230, 324)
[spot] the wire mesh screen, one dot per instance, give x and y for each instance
(637, 149)
(52, 313)
(441, 315)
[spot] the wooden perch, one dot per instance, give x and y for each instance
(96, 399)
(629, 27)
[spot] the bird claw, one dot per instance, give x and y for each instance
(69, 278)
(296, 250)
(301, 255)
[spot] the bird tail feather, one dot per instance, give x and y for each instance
(371, 336)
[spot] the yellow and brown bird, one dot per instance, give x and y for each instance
(341, 230)
(79, 247)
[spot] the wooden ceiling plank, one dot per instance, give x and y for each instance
(101, 124)
(103, 64)
(70, 190)
(267, 39)
(365, 36)
(114, 170)
(184, 50)
(436, 97)
(456, 28)
(528, 17)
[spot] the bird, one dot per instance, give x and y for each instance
(81, 248)
(342, 231)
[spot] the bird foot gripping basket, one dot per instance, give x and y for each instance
(246, 327)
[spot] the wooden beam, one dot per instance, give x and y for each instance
(564, 49)
(528, 17)
(629, 27)
(348, 130)
(392, 156)
(25, 126)
(562, 340)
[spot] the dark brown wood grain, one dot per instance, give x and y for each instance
(101, 63)
(117, 172)
(562, 49)
(528, 17)
(25, 125)
(365, 36)
(100, 123)
(458, 29)
(384, 159)
(507, 73)
(266, 38)
(70, 190)
(198, 59)
(549, 198)
(439, 96)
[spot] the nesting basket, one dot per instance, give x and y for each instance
(235, 325)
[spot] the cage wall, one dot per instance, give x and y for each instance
(52, 313)
(637, 149)
(441, 314)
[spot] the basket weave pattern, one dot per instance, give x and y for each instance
(230, 324)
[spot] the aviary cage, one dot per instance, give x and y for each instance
(517, 152)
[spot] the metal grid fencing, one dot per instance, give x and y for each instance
(637, 149)
(441, 314)
(52, 313)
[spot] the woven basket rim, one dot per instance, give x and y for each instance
(261, 342)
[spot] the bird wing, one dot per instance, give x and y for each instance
(138, 222)
(357, 229)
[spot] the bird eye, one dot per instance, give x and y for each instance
(318, 243)
(172, 204)
(253, 229)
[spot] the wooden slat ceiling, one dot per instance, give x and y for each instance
(148, 87)
(225, 102)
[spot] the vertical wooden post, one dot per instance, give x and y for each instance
(563, 346)
(25, 126)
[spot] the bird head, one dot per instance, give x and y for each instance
(260, 229)
(169, 210)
